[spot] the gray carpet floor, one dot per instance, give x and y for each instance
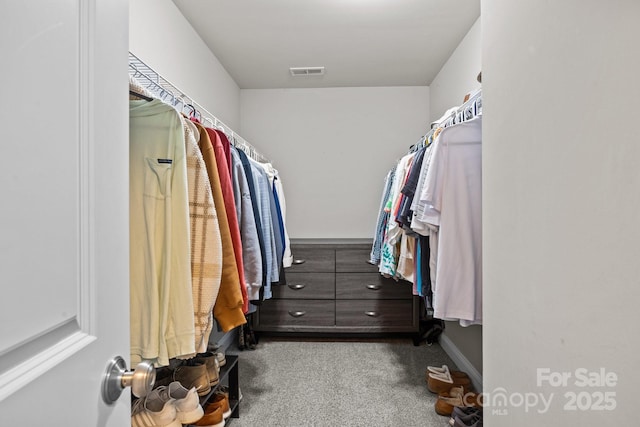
(339, 383)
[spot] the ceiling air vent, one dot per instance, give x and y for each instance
(306, 71)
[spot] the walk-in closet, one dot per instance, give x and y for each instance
(312, 213)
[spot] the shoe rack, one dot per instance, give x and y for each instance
(228, 376)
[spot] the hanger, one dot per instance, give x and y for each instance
(192, 108)
(219, 126)
(179, 101)
(139, 95)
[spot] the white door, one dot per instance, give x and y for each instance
(64, 310)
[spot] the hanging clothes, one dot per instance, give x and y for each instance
(161, 299)
(251, 252)
(381, 223)
(226, 148)
(276, 220)
(253, 192)
(206, 243)
(409, 190)
(424, 222)
(228, 308)
(406, 258)
(429, 231)
(198, 245)
(453, 186)
(287, 256)
(390, 246)
(224, 174)
(282, 232)
(261, 183)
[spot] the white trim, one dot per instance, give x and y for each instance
(30, 369)
(461, 361)
(87, 283)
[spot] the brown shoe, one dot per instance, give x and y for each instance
(211, 361)
(444, 370)
(440, 383)
(456, 391)
(194, 375)
(445, 403)
(454, 375)
(164, 376)
(212, 418)
(219, 400)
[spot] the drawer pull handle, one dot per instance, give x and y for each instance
(373, 287)
(297, 313)
(297, 286)
(371, 313)
(298, 261)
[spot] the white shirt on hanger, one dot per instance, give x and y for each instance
(453, 186)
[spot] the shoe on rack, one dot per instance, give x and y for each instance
(223, 389)
(444, 370)
(215, 348)
(437, 383)
(474, 422)
(464, 411)
(219, 400)
(213, 368)
(445, 403)
(456, 392)
(222, 360)
(164, 376)
(153, 410)
(193, 374)
(213, 418)
(187, 403)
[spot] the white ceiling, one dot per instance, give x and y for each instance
(359, 42)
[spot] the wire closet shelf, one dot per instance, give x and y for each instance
(171, 94)
(471, 108)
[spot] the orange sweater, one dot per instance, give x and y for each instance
(228, 309)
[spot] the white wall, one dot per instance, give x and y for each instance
(458, 76)
(333, 148)
(561, 203)
(161, 37)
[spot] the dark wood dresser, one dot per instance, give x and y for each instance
(335, 291)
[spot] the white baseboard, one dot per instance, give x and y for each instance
(461, 361)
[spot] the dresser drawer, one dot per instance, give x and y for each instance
(316, 260)
(370, 286)
(374, 313)
(297, 312)
(354, 261)
(306, 286)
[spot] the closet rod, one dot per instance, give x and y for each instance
(137, 68)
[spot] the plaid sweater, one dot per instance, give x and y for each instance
(206, 243)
